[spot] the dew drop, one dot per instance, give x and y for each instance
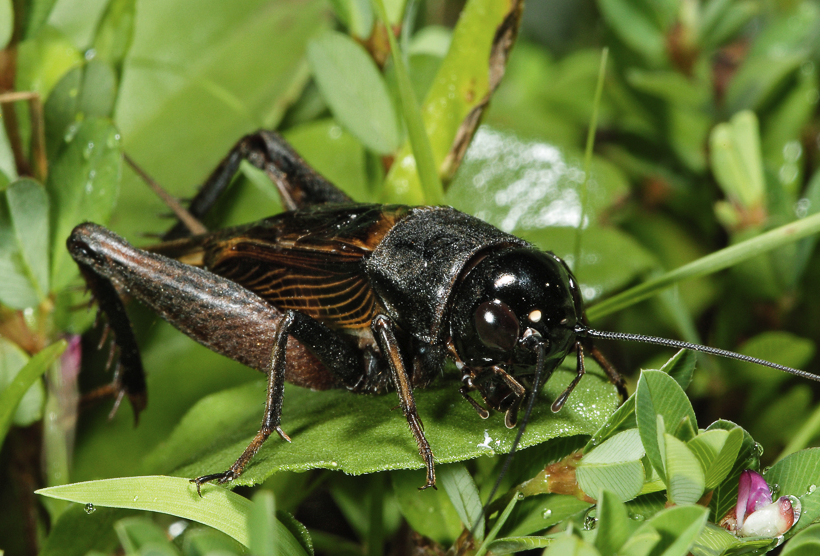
(590, 523)
(89, 508)
(811, 489)
(136, 498)
(519, 496)
(546, 514)
(638, 517)
(758, 449)
(88, 149)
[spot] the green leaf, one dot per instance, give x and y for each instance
(615, 466)
(6, 22)
(717, 452)
(463, 493)
(681, 367)
(717, 541)
(569, 545)
(359, 434)
(636, 23)
(139, 533)
(622, 419)
(78, 533)
(357, 15)
(684, 475)
(736, 160)
(83, 185)
(14, 392)
(430, 512)
(461, 85)
(805, 543)
(84, 92)
(355, 91)
(679, 527)
(659, 395)
(709, 264)
(43, 59)
(204, 541)
(537, 513)
(614, 526)
(262, 524)
(508, 545)
(799, 475)
(423, 162)
(12, 361)
(24, 249)
(241, 63)
(724, 497)
(217, 507)
(114, 32)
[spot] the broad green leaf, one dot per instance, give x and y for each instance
(614, 526)
(681, 367)
(35, 15)
(79, 533)
(431, 512)
(28, 208)
(622, 419)
(262, 524)
(659, 395)
(716, 451)
(509, 545)
(217, 507)
(799, 475)
(357, 15)
(737, 161)
(463, 493)
(14, 392)
(716, 541)
(140, 533)
(12, 360)
(359, 434)
(43, 59)
(24, 249)
(806, 543)
(6, 22)
(679, 528)
(196, 80)
(204, 541)
(538, 513)
(724, 497)
(115, 32)
(569, 545)
(84, 92)
(615, 465)
(355, 90)
(637, 24)
(684, 475)
(465, 80)
(641, 542)
(83, 185)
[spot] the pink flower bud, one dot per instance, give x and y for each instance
(752, 494)
(772, 520)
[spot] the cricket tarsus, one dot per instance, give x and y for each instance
(335, 294)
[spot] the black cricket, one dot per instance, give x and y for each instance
(338, 294)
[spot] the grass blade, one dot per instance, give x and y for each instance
(709, 264)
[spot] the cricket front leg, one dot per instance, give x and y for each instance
(389, 346)
(298, 184)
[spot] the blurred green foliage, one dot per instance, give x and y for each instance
(708, 135)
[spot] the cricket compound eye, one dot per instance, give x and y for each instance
(496, 325)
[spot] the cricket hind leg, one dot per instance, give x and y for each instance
(299, 185)
(340, 357)
(129, 377)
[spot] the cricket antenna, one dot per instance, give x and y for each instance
(585, 332)
(541, 352)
